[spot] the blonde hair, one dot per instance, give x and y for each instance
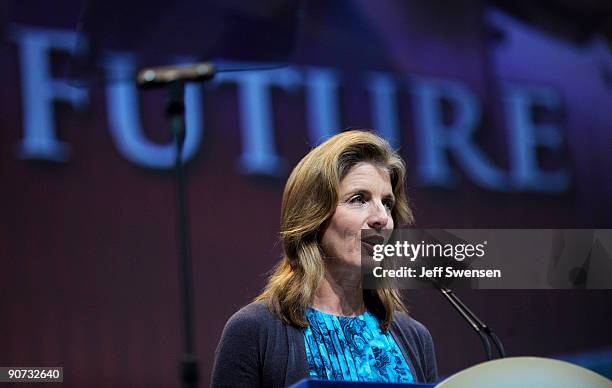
(309, 200)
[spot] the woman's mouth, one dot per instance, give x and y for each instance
(368, 242)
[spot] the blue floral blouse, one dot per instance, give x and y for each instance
(353, 348)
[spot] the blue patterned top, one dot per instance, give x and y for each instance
(353, 349)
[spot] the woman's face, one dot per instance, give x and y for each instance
(365, 202)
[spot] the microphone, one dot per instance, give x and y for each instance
(484, 332)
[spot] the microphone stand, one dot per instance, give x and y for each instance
(175, 78)
(484, 332)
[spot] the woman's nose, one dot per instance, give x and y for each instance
(379, 217)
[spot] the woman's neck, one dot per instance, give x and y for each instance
(340, 293)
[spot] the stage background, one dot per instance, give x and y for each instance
(87, 244)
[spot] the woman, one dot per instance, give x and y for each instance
(313, 319)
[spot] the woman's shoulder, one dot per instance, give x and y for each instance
(255, 315)
(241, 348)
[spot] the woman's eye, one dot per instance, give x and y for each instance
(357, 199)
(389, 205)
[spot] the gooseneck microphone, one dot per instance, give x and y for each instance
(484, 332)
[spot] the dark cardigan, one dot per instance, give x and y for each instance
(258, 350)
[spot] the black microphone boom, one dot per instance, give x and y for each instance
(484, 332)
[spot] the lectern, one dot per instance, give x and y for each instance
(513, 372)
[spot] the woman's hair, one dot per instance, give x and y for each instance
(309, 201)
